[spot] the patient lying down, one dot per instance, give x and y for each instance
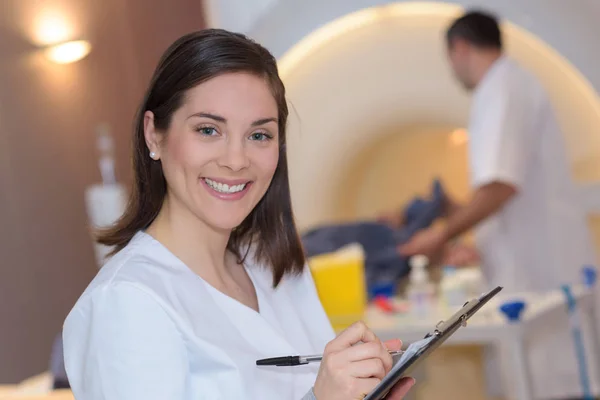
(381, 238)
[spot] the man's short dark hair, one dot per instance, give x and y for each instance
(479, 28)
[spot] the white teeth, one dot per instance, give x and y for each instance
(223, 187)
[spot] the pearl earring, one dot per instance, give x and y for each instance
(152, 155)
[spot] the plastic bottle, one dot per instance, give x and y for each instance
(421, 290)
(105, 201)
(452, 289)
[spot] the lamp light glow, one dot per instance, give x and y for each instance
(459, 137)
(68, 52)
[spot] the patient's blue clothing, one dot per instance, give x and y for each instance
(383, 264)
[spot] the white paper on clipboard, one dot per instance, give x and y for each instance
(412, 349)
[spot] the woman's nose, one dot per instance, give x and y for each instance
(234, 155)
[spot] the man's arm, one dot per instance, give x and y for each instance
(450, 207)
(487, 200)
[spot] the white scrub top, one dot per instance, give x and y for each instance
(540, 239)
(148, 328)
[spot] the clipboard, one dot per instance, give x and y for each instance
(419, 351)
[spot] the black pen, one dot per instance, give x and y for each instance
(290, 361)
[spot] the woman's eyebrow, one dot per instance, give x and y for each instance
(263, 121)
(208, 115)
(218, 118)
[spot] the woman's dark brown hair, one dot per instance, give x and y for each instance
(191, 60)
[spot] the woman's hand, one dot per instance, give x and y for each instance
(350, 370)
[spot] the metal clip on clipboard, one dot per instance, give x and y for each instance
(441, 332)
(460, 318)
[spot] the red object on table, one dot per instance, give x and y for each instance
(384, 304)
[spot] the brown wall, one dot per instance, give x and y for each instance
(48, 114)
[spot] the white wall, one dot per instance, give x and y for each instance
(236, 15)
(570, 27)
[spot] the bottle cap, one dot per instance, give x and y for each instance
(589, 275)
(385, 289)
(513, 310)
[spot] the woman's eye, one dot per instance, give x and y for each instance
(260, 136)
(207, 130)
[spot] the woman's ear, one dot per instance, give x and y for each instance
(151, 136)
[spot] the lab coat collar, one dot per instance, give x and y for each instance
(491, 72)
(258, 329)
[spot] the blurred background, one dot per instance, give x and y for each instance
(375, 116)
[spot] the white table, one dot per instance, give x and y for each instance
(489, 327)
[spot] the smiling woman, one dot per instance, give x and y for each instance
(219, 165)
(200, 119)
(208, 274)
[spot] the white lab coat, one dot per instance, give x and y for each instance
(148, 328)
(539, 240)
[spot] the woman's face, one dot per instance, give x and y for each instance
(221, 149)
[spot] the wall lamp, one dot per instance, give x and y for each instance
(68, 52)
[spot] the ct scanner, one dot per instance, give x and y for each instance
(363, 75)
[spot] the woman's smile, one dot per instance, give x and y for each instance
(226, 189)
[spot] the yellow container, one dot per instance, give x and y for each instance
(340, 281)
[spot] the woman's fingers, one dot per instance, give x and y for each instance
(366, 351)
(393, 344)
(378, 360)
(357, 332)
(354, 363)
(401, 389)
(371, 368)
(365, 386)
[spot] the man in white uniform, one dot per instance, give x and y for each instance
(530, 229)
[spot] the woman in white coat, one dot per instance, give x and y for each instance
(208, 274)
